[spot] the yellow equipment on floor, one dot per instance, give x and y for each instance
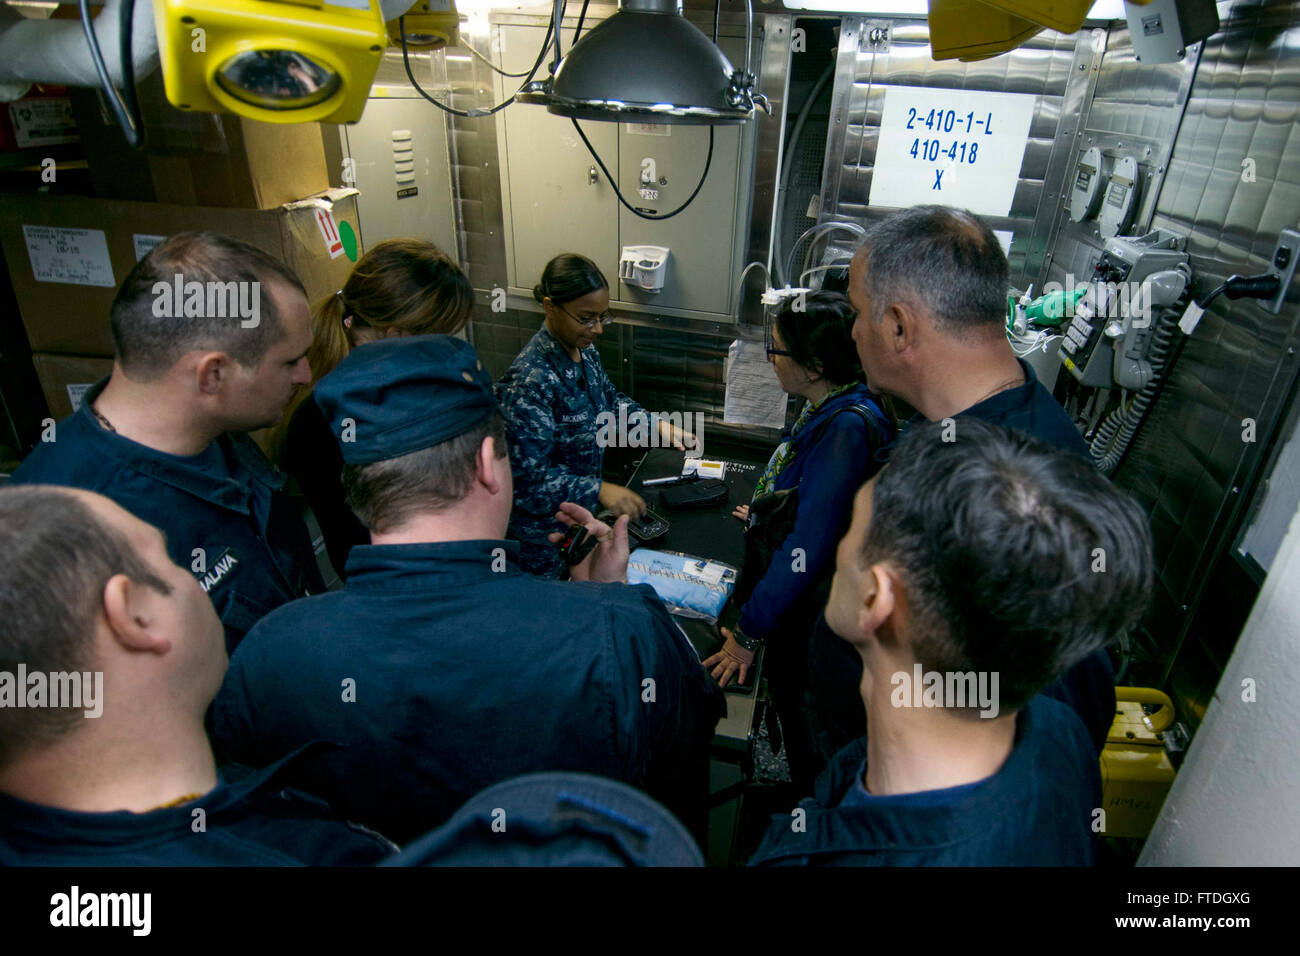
(1135, 770)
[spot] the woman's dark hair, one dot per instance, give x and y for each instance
(818, 333)
(567, 277)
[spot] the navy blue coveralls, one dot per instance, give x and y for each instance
(1037, 810)
(552, 405)
(259, 820)
(255, 552)
(835, 668)
(444, 668)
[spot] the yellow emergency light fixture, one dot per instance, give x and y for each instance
(970, 30)
(430, 25)
(270, 60)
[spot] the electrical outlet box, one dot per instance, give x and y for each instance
(1283, 264)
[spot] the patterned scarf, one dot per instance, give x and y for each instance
(784, 453)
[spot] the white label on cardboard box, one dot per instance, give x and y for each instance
(330, 231)
(42, 121)
(953, 147)
(145, 244)
(73, 256)
(75, 393)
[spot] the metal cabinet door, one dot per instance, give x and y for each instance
(399, 155)
(703, 237)
(553, 205)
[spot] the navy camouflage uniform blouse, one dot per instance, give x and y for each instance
(551, 405)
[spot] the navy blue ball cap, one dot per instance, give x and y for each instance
(556, 819)
(401, 395)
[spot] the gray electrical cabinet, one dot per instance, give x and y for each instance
(402, 168)
(556, 199)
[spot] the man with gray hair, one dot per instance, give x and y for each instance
(210, 341)
(930, 287)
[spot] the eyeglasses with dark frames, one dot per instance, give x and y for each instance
(605, 318)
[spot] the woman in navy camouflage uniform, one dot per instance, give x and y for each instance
(551, 397)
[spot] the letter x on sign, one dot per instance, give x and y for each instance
(938, 175)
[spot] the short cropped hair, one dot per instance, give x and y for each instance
(943, 261)
(55, 558)
(386, 494)
(1016, 557)
(147, 344)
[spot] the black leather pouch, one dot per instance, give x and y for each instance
(694, 494)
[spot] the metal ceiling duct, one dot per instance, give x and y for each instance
(648, 62)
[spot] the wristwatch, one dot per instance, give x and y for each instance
(744, 640)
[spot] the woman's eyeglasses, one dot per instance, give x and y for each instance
(769, 343)
(605, 318)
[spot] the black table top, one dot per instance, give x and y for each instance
(709, 532)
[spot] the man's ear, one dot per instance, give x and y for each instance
(900, 326)
(211, 371)
(131, 610)
(879, 601)
(486, 465)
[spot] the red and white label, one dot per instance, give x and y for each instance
(325, 221)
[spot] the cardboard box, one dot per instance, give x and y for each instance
(200, 159)
(67, 256)
(65, 378)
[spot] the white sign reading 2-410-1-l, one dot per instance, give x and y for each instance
(951, 147)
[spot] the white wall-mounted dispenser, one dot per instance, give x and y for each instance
(644, 267)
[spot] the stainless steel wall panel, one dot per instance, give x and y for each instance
(1048, 68)
(1134, 110)
(1190, 466)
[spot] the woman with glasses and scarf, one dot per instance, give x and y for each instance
(801, 508)
(553, 396)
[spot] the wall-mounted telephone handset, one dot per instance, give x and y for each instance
(1134, 284)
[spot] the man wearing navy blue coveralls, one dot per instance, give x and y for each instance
(930, 285)
(966, 583)
(441, 667)
(118, 771)
(210, 341)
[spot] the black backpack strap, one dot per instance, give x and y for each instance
(876, 427)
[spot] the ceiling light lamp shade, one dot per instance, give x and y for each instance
(647, 63)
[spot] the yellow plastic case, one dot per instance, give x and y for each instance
(196, 37)
(1135, 770)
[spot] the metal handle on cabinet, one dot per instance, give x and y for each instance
(592, 176)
